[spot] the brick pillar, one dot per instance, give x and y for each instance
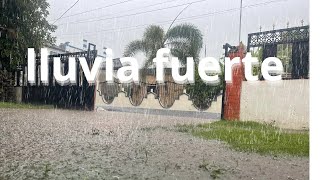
(233, 90)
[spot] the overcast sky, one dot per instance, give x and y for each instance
(218, 20)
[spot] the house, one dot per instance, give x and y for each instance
(54, 49)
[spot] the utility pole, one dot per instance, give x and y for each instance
(205, 50)
(240, 22)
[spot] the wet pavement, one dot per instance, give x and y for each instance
(61, 144)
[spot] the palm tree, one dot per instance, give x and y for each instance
(184, 40)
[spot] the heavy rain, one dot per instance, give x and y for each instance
(79, 111)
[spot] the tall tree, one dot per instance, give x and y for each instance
(184, 41)
(23, 25)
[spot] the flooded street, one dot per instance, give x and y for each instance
(61, 144)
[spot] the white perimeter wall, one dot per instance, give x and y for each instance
(286, 103)
(182, 104)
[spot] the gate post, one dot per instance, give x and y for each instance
(231, 103)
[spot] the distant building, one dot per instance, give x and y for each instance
(53, 49)
(69, 48)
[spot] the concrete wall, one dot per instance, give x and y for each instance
(182, 104)
(285, 103)
(18, 94)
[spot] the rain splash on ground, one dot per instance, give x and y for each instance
(61, 144)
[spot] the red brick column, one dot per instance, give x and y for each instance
(233, 90)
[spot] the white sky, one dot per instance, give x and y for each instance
(217, 29)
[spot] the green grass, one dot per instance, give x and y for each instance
(253, 137)
(24, 106)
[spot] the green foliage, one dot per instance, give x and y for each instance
(284, 53)
(23, 106)
(25, 25)
(6, 86)
(202, 93)
(253, 137)
(258, 53)
(152, 40)
(184, 41)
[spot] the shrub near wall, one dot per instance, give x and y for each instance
(6, 86)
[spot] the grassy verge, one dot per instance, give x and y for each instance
(24, 106)
(253, 137)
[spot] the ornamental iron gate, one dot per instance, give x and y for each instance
(75, 96)
(297, 41)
